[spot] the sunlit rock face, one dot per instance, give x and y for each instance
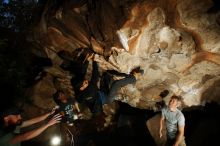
(177, 44)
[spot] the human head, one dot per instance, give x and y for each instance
(174, 102)
(11, 118)
(59, 97)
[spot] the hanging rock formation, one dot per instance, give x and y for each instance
(175, 42)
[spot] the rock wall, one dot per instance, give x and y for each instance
(176, 42)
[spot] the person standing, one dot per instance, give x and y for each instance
(175, 123)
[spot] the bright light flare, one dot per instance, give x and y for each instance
(55, 140)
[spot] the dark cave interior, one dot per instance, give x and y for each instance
(21, 69)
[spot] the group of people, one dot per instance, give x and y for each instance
(88, 93)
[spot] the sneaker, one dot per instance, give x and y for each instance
(137, 70)
(137, 73)
(164, 93)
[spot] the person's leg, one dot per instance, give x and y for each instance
(107, 80)
(130, 79)
(97, 106)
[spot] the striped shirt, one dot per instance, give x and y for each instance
(174, 119)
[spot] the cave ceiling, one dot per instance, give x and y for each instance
(176, 42)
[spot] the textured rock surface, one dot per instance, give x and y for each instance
(176, 42)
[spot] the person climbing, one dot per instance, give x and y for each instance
(175, 123)
(93, 97)
(67, 107)
(11, 123)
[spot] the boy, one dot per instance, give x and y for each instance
(66, 107)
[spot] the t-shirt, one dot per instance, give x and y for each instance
(6, 137)
(68, 110)
(174, 119)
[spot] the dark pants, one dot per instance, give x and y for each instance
(116, 85)
(95, 105)
(170, 142)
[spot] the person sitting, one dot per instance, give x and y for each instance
(67, 107)
(11, 122)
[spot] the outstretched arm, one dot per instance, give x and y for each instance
(37, 119)
(161, 126)
(179, 136)
(35, 132)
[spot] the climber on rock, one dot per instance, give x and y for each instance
(89, 93)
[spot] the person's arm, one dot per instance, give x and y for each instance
(161, 126)
(37, 119)
(179, 136)
(181, 126)
(83, 68)
(162, 119)
(76, 105)
(35, 132)
(95, 73)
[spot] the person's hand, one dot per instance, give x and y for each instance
(90, 57)
(52, 111)
(56, 119)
